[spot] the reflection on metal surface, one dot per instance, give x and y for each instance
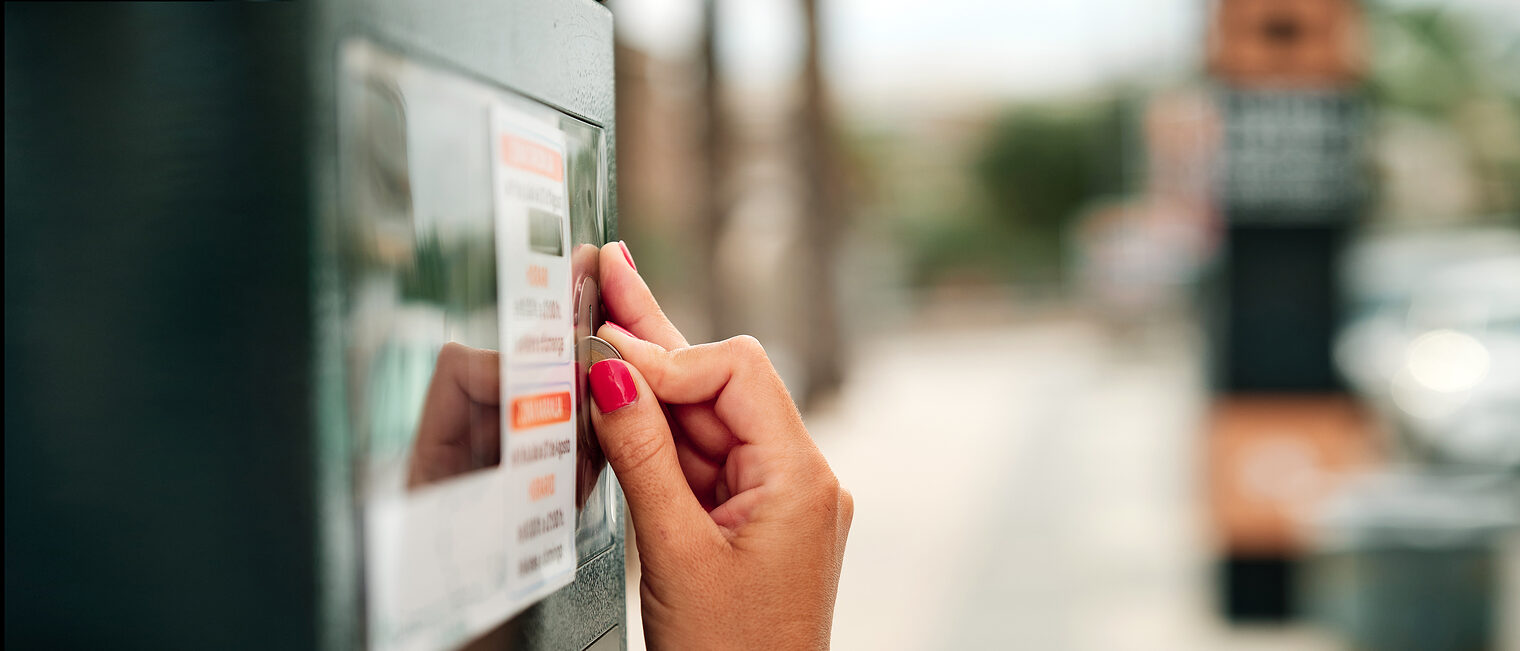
(460, 427)
(596, 514)
(588, 304)
(423, 314)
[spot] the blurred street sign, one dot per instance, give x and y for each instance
(1286, 43)
(1291, 157)
(1272, 460)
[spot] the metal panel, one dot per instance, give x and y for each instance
(175, 450)
(557, 53)
(157, 340)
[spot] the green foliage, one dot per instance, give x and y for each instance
(460, 277)
(1036, 169)
(1001, 214)
(954, 249)
(1422, 61)
(1039, 165)
(1454, 71)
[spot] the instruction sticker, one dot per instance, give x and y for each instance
(538, 354)
(466, 201)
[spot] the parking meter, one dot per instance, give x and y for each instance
(1286, 80)
(296, 297)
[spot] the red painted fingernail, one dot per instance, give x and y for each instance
(612, 386)
(628, 256)
(621, 329)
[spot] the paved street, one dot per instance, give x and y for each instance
(1028, 487)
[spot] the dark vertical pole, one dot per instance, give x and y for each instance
(822, 217)
(713, 192)
(1287, 88)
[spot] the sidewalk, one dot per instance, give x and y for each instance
(1023, 487)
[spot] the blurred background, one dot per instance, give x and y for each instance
(1178, 324)
(1131, 325)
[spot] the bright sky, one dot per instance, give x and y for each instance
(920, 50)
(877, 48)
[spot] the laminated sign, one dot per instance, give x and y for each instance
(538, 356)
(465, 188)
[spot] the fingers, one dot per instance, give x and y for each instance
(748, 396)
(701, 473)
(637, 441)
(475, 371)
(629, 301)
(459, 429)
(704, 431)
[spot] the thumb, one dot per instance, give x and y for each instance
(631, 426)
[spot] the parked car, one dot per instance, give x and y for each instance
(1434, 343)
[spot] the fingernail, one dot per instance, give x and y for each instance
(621, 329)
(626, 255)
(612, 386)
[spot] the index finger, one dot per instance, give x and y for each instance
(747, 394)
(629, 302)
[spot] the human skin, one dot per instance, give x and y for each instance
(460, 427)
(740, 523)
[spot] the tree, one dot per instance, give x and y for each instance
(822, 216)
(1040, 165)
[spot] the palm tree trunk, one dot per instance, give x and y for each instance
(824, 213)
(713, 192)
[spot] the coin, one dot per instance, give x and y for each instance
(599, 349)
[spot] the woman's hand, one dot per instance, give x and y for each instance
(740, 523)
(460, 428)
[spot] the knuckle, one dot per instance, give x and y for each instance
(831, 492)
(656, 370)
(846, 506)
(639, 321)
(825, 489)
(747, 347)
(451, 350)
(636, 448)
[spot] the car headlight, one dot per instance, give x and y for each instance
(1447, 361)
